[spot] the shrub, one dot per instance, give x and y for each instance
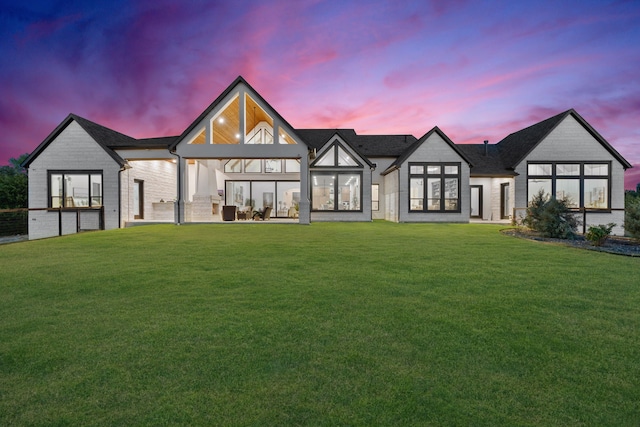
(550, 216)
(599, 234)
(534, 211)
(632, 217)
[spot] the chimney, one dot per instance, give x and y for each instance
(486, 147)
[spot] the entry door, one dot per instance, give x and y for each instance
(476, 201)
(138, 199)
(504, 201)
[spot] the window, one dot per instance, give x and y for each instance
(252, 166)
(256, 166)
(233, 166)
(225, 125)
(583, 185)
(375, 201)
(281, 196)
(292, 165)
(258, 124)
(285, 138)
(199, 139)
(336, 191)
(336, 156)
(273, 165)
(72, 189)
(434, 187)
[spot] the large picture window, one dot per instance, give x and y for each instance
(73, 189)
(336, 191)
(581, 184)
(434, 187)
(280, 196)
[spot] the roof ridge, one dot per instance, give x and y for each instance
(91, 122)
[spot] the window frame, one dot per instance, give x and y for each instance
(90, 196)
(228, 198)
(336, 145)
(336, 179)
(375, 202)
(581, 177)
(442, 176)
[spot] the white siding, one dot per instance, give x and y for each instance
(160, 183)
(434, 149)
(73, 149)
(491, 196)
(570, 141)
(365, 203)
(381, 165)
(391, 196)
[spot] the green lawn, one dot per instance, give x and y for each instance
(327, 324)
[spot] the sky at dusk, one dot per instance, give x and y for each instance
(477, 69)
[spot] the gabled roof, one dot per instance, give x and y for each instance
(103, 137)
(217, 101)
(488, 163)
(106, 138)
(318, 138)
(517, 146)
(413, 147)
(368, 145)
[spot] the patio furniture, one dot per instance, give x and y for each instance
(267, 213)
(245, 213)
(263, 214)
(229, 213)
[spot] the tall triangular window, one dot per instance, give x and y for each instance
(336, 156)
(258, 124)
(328, 158)
(199, 139)
(345, 159)
(226, 124)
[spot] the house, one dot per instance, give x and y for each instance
(240, 155)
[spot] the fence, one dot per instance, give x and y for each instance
(15, 222)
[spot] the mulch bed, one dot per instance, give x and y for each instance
(613, 245)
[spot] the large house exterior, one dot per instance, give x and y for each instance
(241, 156)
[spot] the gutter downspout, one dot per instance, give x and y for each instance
(179, 163)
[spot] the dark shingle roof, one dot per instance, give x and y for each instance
(160, 142)
(413, 147)
(116, 140)
(489, 164)
(108, 139)
(515, 147)
(368, 145)
(103, 135)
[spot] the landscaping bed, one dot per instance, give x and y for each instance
(614, 244)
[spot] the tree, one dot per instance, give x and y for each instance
(13, 184)
(550, 216)
(632, 213)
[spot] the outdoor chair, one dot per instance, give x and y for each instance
(245, 213)
(263, 214)
(229, 213)
(267, 213)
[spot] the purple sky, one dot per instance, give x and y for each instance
(478, 70)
